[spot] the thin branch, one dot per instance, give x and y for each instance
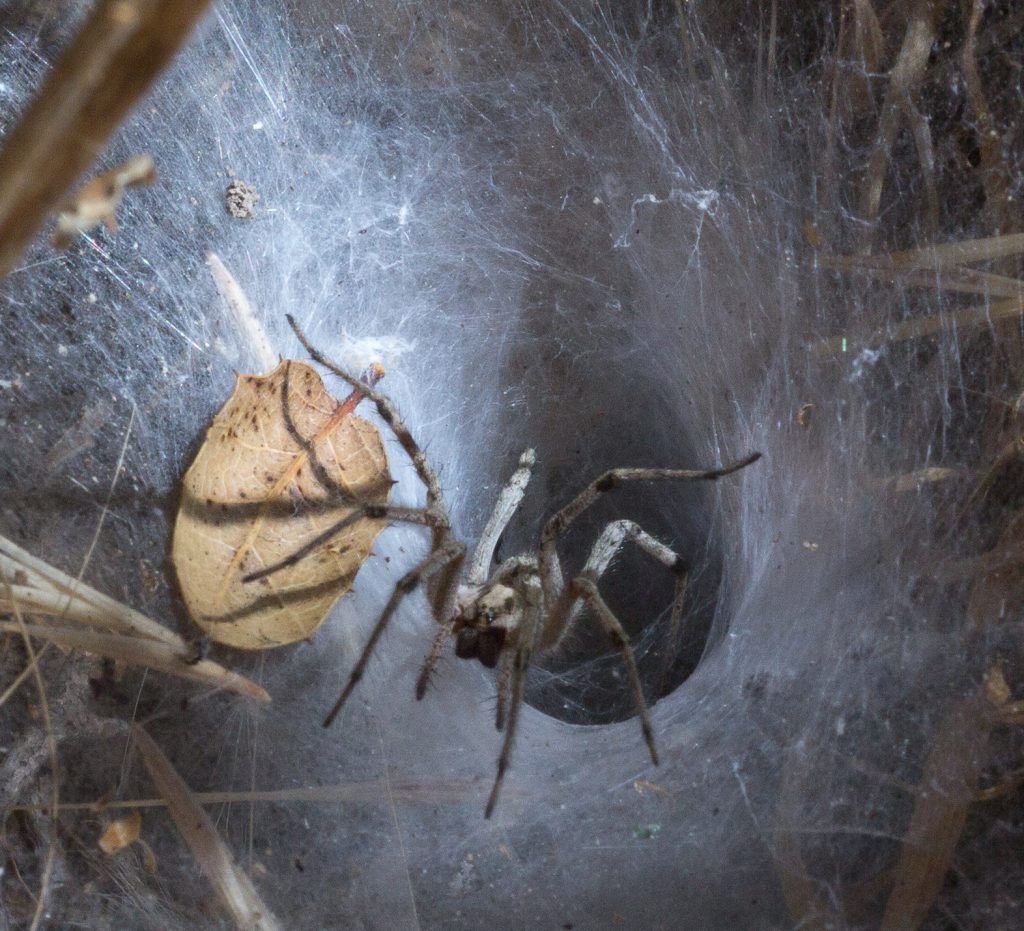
(107, 67)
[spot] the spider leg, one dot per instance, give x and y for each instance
(504, 678)
(559, 522)
(432, 658)
(437, 559)
(533, 598)
(441, 534)
(586, 589)
(566, 610)
(388, 413)
(425, 516)
(506, 505)
(444, 613)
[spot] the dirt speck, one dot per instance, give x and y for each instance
(240, 200)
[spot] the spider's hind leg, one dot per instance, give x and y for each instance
(567, 608)
(583, 590)
(586, 588)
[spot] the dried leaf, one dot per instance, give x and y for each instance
(121, 833)
(98, 201)
(282, 462)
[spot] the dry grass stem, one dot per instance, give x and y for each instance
(904, 79)
(963, 252)
(962, 319)
(911, 481)
(948, 787)
(233, 886)
(42, 589)
(20, 627)
(136, 651)
(243, 316)
(422, 792)
(933, 277)
(992, 167)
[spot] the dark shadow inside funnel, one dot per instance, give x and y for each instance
(584, 681)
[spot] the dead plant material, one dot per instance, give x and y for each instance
(904, 80)
(965, 318)
(282, 462)
(137, 651)
(998, 593)
(51, 740)
(123, 633)
(233, 886)
(887, 269)
(807, 906)
(914, 481)
(116, 55)
(945, 792)
(98, 201)
(993, 162)
(244, 317)
(121, 833)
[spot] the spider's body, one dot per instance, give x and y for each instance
(487, 622)
(523, 606)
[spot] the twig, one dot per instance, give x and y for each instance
(110, 63)
(233, 886)
(44, 706)
(43, 589)
(138, 651)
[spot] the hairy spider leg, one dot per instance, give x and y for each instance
(504, 678)
(615, 535)
(436, 560)
(533, 598)
(392, 512)
(558, 523)
(506, 574)
(441, 532)
(507, 504)
(562, 600)
(586, 589)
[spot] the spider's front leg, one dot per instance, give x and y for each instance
(531, 595)
(450, 554)
(508, 501)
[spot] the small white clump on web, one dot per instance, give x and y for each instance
(356, 354)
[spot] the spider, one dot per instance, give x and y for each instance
(524, 607)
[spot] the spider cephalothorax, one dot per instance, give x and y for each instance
(487, 622)
(503, 615)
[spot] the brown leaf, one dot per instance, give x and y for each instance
(98, 201)
(281, 463)
(121, 833)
